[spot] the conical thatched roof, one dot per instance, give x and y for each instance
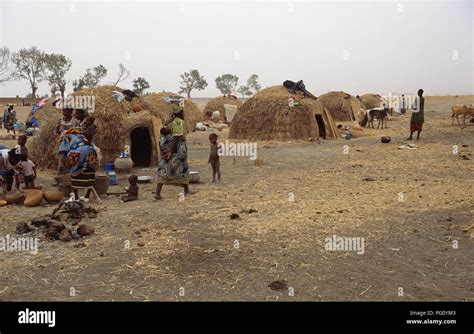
(343, 106)
(269, 116)
(217, 104)
(371, 100)
(192, 114)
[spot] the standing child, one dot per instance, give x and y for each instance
(21, 148)
(214, 157)
(25, 172)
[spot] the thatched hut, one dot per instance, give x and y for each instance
(270, 115)
(217, 104)
(117, 125)
(371, 100)
(343, 106)
(192, 114)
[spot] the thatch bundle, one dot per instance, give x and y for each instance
(269, 116)
(111, 118)
(192, 114)
(371, 100)
(343, 106)
(43, 146)
(217, 104)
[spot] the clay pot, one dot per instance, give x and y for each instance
(123, 164)
(3, 203)
(14, 197)
(65, 188)
(101, 184)
(137, 108)
(63, 178)
(53, 196)
(33, 198)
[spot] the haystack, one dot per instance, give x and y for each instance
(343, 106)
(217, 104)
(192, 114)
(269, 116)
(114, 121)
(371, 100)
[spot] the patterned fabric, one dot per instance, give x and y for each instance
(84, 180)
(81, 157)
(174, 170)
(9, 119)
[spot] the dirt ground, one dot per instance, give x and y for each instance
(303, 193)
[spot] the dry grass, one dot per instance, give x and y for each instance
(217, 104)
(340, 105)
(268, 116)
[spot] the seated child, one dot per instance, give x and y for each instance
(132, 189)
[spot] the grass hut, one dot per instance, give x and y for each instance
(270, 115)
(371, 100)
(192, 114)
(217, 104)
(135, 123)
(343, 106)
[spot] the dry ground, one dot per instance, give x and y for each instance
(191, 244)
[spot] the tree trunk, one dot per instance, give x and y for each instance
(189, 94)
(33, 90)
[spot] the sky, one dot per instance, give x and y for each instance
(355, 46)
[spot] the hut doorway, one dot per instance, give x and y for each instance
(321, 126)
(141, 146)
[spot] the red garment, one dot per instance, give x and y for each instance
(415, 126)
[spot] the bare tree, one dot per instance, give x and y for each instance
(123, 74)
(5, 59)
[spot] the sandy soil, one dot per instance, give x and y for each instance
(192, 250)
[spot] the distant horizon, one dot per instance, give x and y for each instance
(357, 47)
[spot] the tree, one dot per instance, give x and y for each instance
(140, 85)
(252, 83)
(91, 78)
(227, 83)
(30, 65)
(57, 66)
(191, 80)
(244, 91)
(5, 59)
(123, 74)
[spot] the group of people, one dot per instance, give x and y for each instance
(16, 168)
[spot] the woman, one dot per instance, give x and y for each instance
(173, 166)
(9, 119)
(82, 159)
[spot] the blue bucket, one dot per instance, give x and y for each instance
(108, 167)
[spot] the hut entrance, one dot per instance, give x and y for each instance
(140, 140)
(321, 126)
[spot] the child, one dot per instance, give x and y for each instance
(214, 157)
(21, 148)
(89, 128)
(25, 172)
(132, 189)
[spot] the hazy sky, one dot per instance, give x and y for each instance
(355, 46)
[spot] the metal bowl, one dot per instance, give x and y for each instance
(144, 179)
(385, 139)
(194, 177)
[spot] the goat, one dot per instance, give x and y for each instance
(464, 110)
